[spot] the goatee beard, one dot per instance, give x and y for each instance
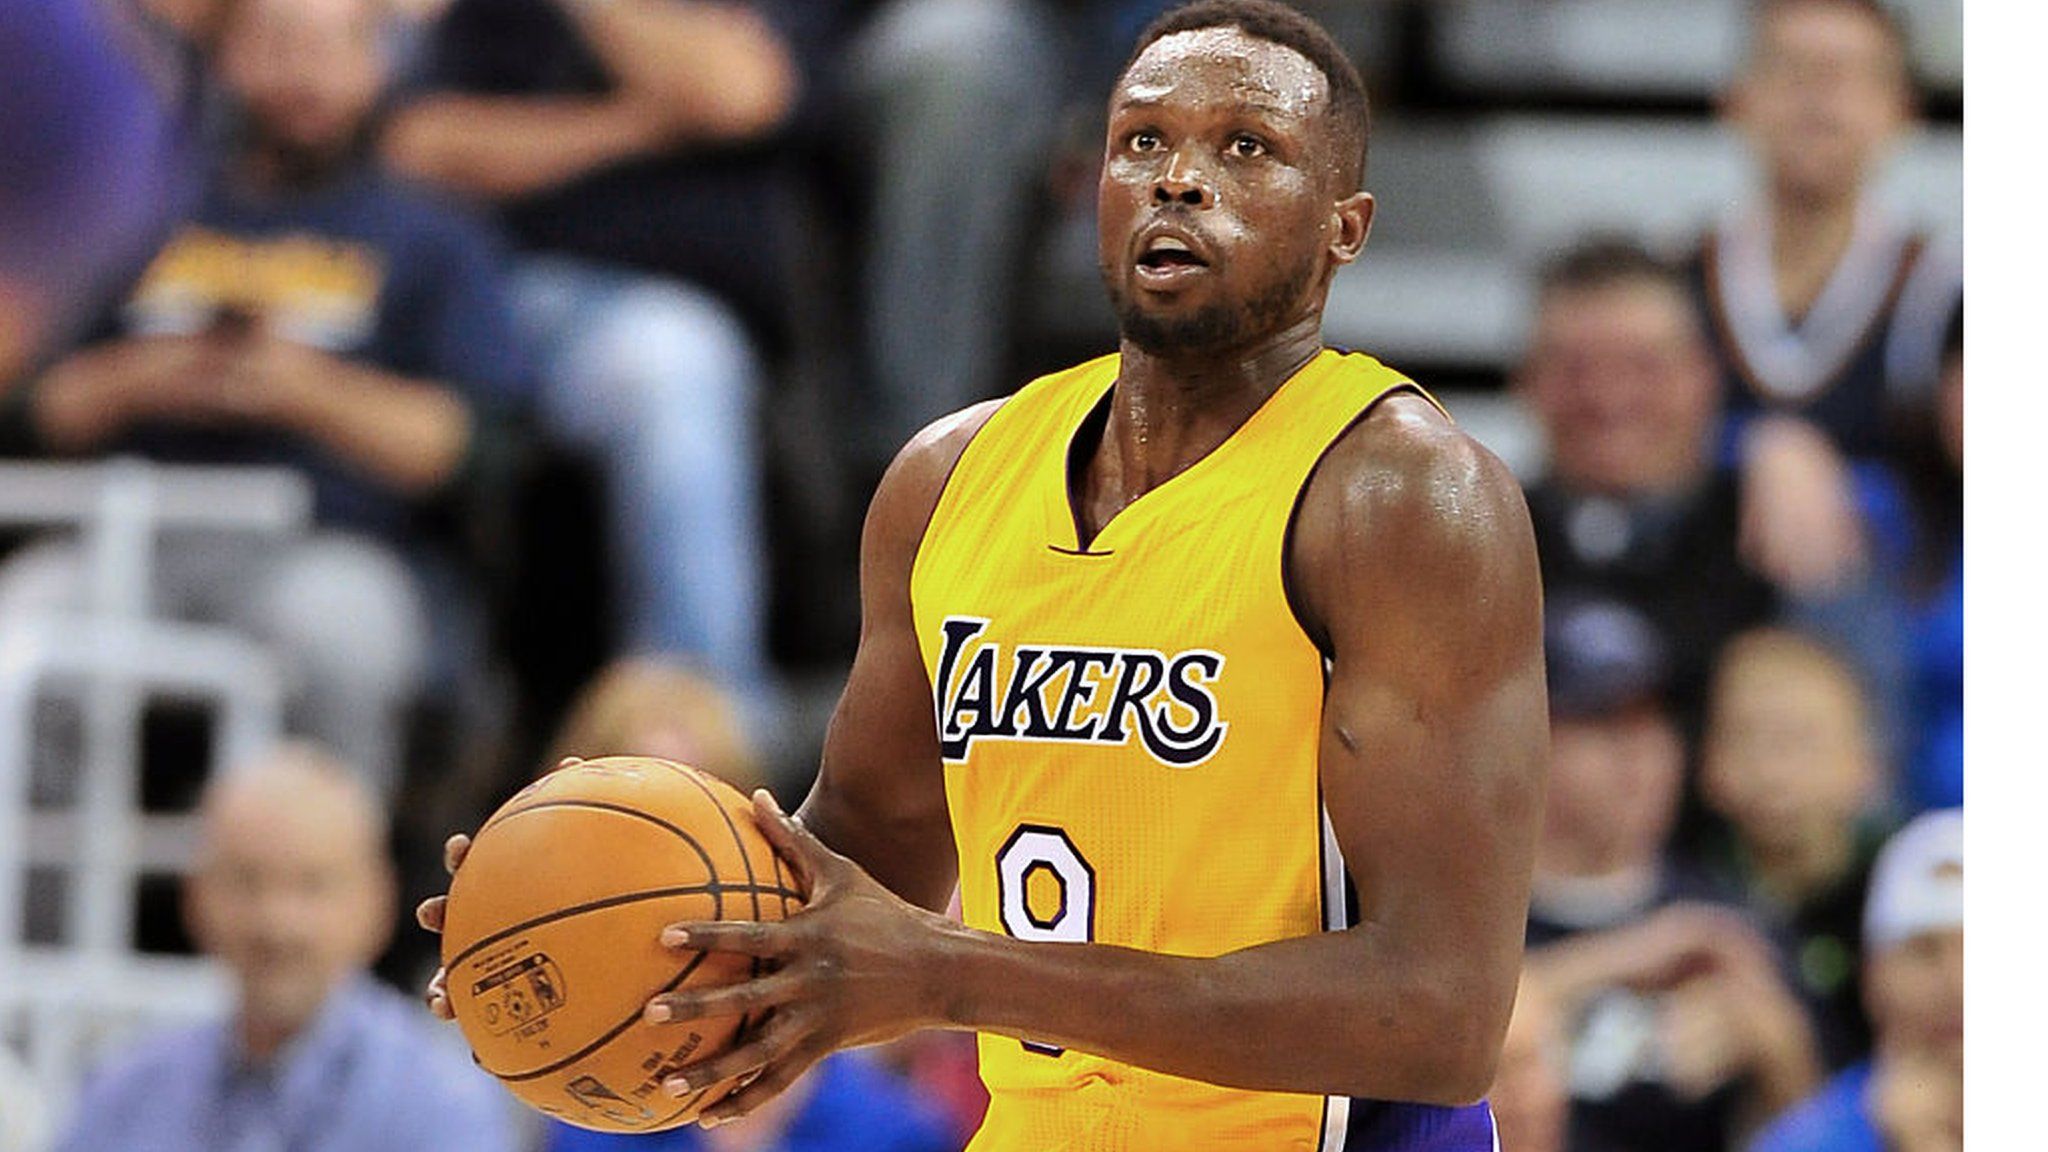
(1215, 327)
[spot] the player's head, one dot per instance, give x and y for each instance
(1913, 940)
(1788, 757)
(305, 74)
(1618, 372)
(1617, 758)
(1231, 180)
(292, 887)
(1825, 87)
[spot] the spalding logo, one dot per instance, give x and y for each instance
(1076, 696)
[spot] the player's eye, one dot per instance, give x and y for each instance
(1145, 140)
(1246, 146)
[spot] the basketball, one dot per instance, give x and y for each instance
(552, 935)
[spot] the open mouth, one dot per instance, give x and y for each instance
(1166, 252)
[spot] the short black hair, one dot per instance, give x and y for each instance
(1289, 27)
(1602, 261)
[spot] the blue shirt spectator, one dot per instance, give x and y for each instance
(1836, 1119)
(373, 1074)
(849, 1104)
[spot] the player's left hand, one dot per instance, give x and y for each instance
(849, 969)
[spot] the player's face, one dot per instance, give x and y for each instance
(291, 898)
(1825, 92)
(305, 71)
(1216, 206)
(1623, 386)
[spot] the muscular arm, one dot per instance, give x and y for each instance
(1413, 555)
(880, 797)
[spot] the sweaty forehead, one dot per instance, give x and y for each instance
(1211, 64)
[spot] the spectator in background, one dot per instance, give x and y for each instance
(1825, 307)
(1633, 504)
(1791, 764)
(1684, 1033)
(292, 892)
(930, 82)
(1636, 504)
(633, 149)
(644, 707)
(315, 315)
(1909, 1096)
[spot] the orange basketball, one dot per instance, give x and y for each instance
(552, 938)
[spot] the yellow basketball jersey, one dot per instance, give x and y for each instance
(1130, 733)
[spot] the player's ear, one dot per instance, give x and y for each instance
(1352, 217)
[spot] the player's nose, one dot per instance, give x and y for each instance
(1182, 181)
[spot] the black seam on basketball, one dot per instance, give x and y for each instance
(747, 861)
(621, 809)
(609, 1035)
(715, 890)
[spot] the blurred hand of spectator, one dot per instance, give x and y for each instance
(1801, 526)
(682, 74)
(1739, 1020)
(100, 392)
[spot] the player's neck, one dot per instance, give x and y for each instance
(1171, 410)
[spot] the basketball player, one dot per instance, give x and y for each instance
(1212, 673)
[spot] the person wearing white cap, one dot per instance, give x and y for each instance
(1909, 1096)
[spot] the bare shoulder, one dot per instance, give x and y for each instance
(1407, 474)
(909, 491)
(1408, 506)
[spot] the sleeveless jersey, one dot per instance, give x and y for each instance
(1129, 729)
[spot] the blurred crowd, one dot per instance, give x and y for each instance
(590, 325)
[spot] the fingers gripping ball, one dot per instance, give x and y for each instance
(552, 938)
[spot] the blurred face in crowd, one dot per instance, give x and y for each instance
(1614, 786)
(1216, 208)
(1913, 991)
(1529, 1096)
(1623, 385)
(291, 888)
(1788, 754)
(1825, 91)
(306, 72)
